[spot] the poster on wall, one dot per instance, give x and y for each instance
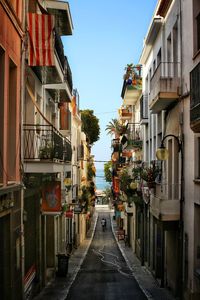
(51, 197)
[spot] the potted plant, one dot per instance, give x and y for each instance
(149, 175)
(46, 152)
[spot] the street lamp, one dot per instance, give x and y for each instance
(162, 154)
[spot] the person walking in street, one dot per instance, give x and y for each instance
(103, 224)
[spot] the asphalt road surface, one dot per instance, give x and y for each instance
(104, 274)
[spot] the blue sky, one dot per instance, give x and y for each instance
(108, 35)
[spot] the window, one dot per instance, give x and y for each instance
(197, 171)
(2, 76)
(150, 73)
(12, 125)
(196, 25)
(175, 49)
(159, 57)
(198, 31)
(169, 56)
(154, 66)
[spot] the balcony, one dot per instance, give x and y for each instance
(61, 11)
(144, 109)
(132, 86)
(164, 87)
(165, 205)
(125, 114)
(45, 143)
(57, 79)
(133, 139)
(195, 99)
(163, 7)
(153, 31)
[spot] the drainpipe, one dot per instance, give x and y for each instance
(181, 224)
(22, 98)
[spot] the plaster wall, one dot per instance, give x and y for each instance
(10, 43)
(191, 161)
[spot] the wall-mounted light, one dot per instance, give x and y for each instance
(162, 152)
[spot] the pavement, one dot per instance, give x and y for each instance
(58, 288)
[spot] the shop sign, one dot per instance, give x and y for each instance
(51, 197)
(69, 214)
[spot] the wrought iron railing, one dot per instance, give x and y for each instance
(165, 79)
(45, 142)
(133, 131)
(63, 61)
(133, 137)
(68, 74)
(59, 49)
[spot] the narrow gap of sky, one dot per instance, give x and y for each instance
(108, 35)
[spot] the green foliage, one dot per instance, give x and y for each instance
(90, 125)
(84, 199)
(136, 171)
(149, 174)
(125, 180)
(46, 152)
(107, 171)
(114, 126)
(84, 194)
(90, 172)
(108, 192)
(137, 200)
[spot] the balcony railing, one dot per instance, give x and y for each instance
(59, 49)
(58, 73)
(68, 75)
(165, 205)
(170, 191)
(44, 142)
(195, 99)
(165, 80)
(133, 138)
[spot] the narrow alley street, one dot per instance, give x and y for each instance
(104, 268)
(104, 273)
(100, 124)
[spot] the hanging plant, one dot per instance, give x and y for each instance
(149, 174)
(137, 200)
